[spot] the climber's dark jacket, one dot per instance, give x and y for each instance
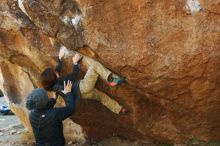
(58, 87)
(47, 122)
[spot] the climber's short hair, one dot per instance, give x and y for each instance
(48, 79)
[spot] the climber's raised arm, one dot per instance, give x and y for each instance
(75, 68)
(58, 67)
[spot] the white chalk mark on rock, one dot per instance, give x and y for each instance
(64, 19)
(21, 6)
(193, 6)
(75, 20)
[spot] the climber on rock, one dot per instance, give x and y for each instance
(46, 121)
(50, 80)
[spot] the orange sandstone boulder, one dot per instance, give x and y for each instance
(168, 51)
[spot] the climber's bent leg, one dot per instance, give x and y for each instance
(87, 84)
(98, 67)
(106, 74)
(104, 99)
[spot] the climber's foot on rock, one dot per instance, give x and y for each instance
(123, 111)
(115, 80)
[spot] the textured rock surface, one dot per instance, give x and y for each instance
(169, 53)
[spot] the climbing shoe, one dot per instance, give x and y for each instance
(123, 111)
(114, 81)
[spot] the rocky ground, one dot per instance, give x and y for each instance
(12, 133)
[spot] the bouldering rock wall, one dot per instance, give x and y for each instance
(168, 51)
